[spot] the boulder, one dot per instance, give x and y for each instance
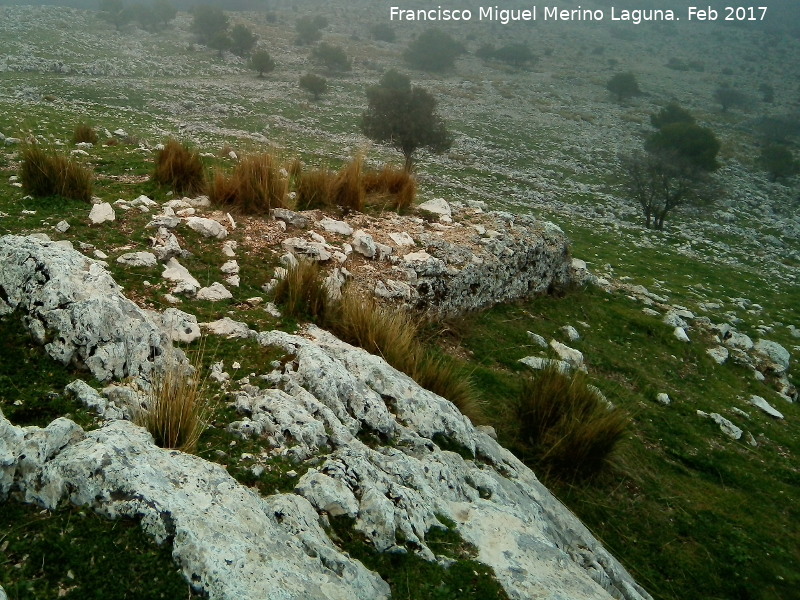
(567, 354)
(138, 259)
(774, 355)
(73, 306)
(178, 274)
(207, 227)
(180, 326)
(437, 206)
(364, 244)
(333, 226)
(100, 213)
(291, 218)
(765, 406)
(216, 292)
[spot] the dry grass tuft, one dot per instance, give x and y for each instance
(564, 425)
(84, 133)
(178, 408)
(314, 189)
(254, 187)
(180, 168)
(444, 376)
(396, 188)
(348, 187)
(303, 292)
(46, 173)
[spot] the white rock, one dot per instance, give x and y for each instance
(680, 334)
(327, 494)
(402, 239)
(728, 428)
(364, 244)
(216, 292)
(207, 227)
(718, 353)
(775, 353)
(229, 248)
(101, 213)
(181, 327)
(570, 355)
(663, 398)
(178, 274)
(333, 226)
(765, 406)
(537, 339)
(138, 259)
(437, 206)
(231, 267)
(229, 328)
(62, 227)
(537, 363)
(571, 333)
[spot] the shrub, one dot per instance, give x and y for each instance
(433, 50)
(242, 40)
(729, 97)
(696, 145)
(778, 161)
(314, 85)
(565, 428)
(208, 22)
(671, 113)
(254, 187)
(333, 58)
(262, 62)
(516, 55)
(623, 85)
(308, 29)
(314, 189)
(84, 132)
(45, 173)
(177, 407)
(179, 168)
(396, 187)
(303, 293)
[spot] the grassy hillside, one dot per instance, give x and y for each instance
(691, 513)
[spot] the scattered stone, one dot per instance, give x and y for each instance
(138, 259)
(650, 312)
(663, 398)
(229, 328)
(180, 326)
(178, 274)
(290, 217)
(775, 353)
(437, 206)
(402, 239)
(571, 333)
(537, 363)
(333, 226)
(765, 406)
(218, 373)
(673, 319)
(718, 353)
(570, 355)
(62, 227)
(216, 292)
(165, 245)
(101, 213)
(230, 268)
(537, 339)
(313, 250)
(229, 248)
(680, 334)
(728, 428)
(207, 227)
(364, 244)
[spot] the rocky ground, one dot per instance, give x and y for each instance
(531, 147)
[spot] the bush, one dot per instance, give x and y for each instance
(696, 145)
(729, 97)
(242, 40)
(671, 113)
(623, 85)
(333, 58)
(565, 428)
(314, 85)
(44, 173)
(778, 161)
(262, 62)
(303, 293)
(177, 407)
(516, 55)
(208, 22)
(254, 187)
(433, 50)
(308, 29)
(180, 168)
(84, 132)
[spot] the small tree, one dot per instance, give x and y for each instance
(309, 29)
(164, 11)
(778, 161)
(220, 42)
(404, 116)
(433, 50)
(242, 40)
(696, 145)
(314, 85)
(517, 55)
(623, 85)
(262, 62)
(660, 182)
(333, 58)
(671, 113)
(208, 22)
